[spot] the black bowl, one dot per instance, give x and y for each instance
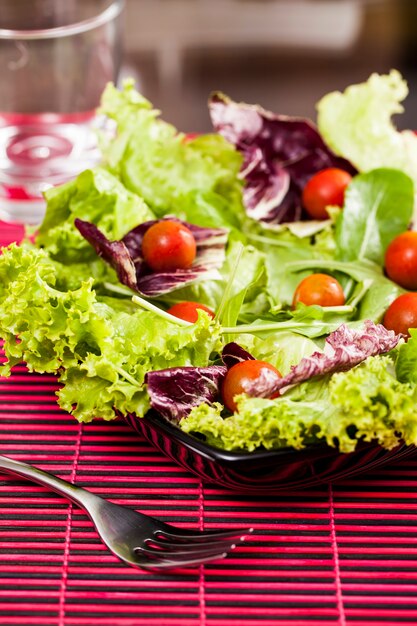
(264, 471)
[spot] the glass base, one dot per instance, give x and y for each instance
(38, 152)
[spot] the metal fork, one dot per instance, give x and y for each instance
(136, 538)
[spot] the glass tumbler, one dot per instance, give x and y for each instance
(56, 57)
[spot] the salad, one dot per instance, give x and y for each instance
(255, 286)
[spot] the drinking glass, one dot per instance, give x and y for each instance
(56, 57)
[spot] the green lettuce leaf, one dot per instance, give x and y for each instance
(380, 290)
(378, 207)
(102, 346)
(357, 125)
(281, 248)
(282, 349)
(249, 284)
(406, 363)
(159, 164)
(96, 196)
(366, 403)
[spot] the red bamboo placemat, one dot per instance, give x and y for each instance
(338, 554)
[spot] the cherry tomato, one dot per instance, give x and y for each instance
(325, 188)
(244, 373)
(188, 311)
(319, 289)
(168, 246)
(401, 314)
(401, 260)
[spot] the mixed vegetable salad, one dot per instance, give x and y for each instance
(255, 286)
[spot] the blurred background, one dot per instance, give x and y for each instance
(283, 54)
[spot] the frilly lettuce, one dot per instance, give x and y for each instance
(101, 347)
(366, 403)
(97, 196)
(357, 124)
(159, 164)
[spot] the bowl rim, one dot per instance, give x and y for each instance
(208, 451)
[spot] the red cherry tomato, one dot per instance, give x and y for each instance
(325, 188)
(319, 289)
(401, 260)
(188, 311)
(242, 374)
(401, 314)
(168, 246)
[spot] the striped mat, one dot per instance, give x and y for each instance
(338, 554)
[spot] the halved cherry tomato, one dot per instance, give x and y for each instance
(168, 246)
(401, 314)
(188, 311)
(244, 373)
(319, 289)
(326, 188)
(401, 260)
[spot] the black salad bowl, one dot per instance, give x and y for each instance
(263, 471)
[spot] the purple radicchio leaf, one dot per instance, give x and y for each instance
(232, 354)
(344, 348)
(175, 391)
(280, 154)
(114, 252)
(125, 256)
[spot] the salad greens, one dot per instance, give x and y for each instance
(69, 301)
(378, 206)
(357, 125)
(366, 403)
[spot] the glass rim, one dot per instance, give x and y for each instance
(107, 15)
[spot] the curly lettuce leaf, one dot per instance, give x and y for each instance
(366, 403)
(95, 196)
(103, 346)
(159, 164)
(357, 124)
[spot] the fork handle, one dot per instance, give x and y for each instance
(80, 496)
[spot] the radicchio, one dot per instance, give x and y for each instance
(175, 391)
(232, 354)
(280, 154)
(344, 348)
(125, 256)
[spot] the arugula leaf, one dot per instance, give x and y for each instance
(378, 207)
(380, 293)
(249, 283)
(282, 248)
